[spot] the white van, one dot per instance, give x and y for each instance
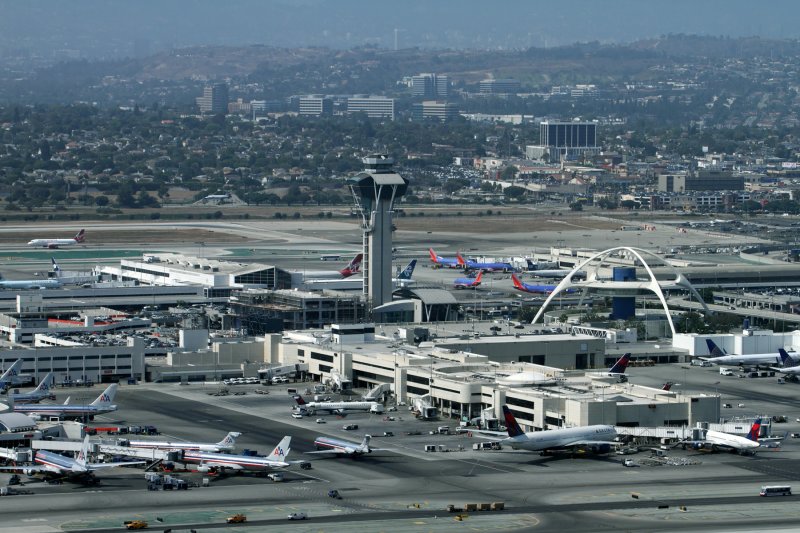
(725, 372)
(376, 409)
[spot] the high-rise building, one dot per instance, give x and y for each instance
(315, 105)
(214, 99)
(434, 110)
(568, 139)
(430, 85)
(373, 106)
(499, 86)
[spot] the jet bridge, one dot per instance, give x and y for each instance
(107, 449)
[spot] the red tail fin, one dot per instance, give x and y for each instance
(460, 259)
(755, 430)
(80, 236)
(299, 399)
(516, 281)
(433, 255)
(478, 279)
(353, 268)
(511, 423)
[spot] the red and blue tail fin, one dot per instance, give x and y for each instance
(299, 399)
(755, 429)
(511, 423)
(81, 236)
(620, 366)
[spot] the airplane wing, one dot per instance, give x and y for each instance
(98, 466)
(486, 434)
(227, 466)
(348, 451)
(31, 468)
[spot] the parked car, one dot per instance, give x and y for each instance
(298, 516)
(320, 420)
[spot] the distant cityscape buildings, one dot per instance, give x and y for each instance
(430, 86)
(702, 180)
(434, 110)
(214, 99)
(373, 106)
(564, 140)
(315, 105)
(499, 86)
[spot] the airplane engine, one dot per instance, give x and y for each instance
(203, 469)
(28, 471)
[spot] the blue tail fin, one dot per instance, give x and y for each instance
(408, 271)
(511, 423)
(713, 349)
(786, 360)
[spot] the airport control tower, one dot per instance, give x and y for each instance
(375, 191)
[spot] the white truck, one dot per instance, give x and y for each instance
(725, 372)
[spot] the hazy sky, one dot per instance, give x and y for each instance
(118, 28)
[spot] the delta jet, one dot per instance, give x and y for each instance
(468, 283)
(487, 266)
(11, 375)
(220, 462)
(439, 261)
(57, 243)
(336, 407)
(720, 357)
(42, 392)
(533, 288)
(617, 370)
(55, 464)
(595, 439)
(330, 446)
(103, 404)
(225, 445)
(715, 440)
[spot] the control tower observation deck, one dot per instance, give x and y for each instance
(375, 192)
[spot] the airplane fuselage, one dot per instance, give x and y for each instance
(561, 438)
(338, 406)
(233, 462)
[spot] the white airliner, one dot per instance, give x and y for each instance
(29, 283)
(225, 444)
(60, 465)
(220, 462)
(42, 392)
(337, 407)
(719, 357)
(11, 375)
(327, 445)
(715, 440)
(58, 243)
(103, 404)
(791, 366)
(594, 439)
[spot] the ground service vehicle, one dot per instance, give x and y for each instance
(236, 519)
(136, 524)
(298, 516)
(775, 490)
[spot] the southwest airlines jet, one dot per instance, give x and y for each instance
(479, 265)
(468, 283)
(57, 243)
(439, 261)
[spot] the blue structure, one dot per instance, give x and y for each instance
(623, 307)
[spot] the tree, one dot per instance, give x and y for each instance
(514, 192)
(101, 201)
(576, 206)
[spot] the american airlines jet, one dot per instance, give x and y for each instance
(330, 446)
(220, 462)
(58, 243)
(42, 392)
(594, 439)
(225, 445)
(10, 376)
(337, 407)
(103, 404)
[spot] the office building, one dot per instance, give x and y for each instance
(499, 86)
(703, 180)
(564, 140)
(315, 105)
(434, 110)
(214, 99)
(430, 86)
(373, 106)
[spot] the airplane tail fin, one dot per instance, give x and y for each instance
(786, 359)
(511, 423)
(299, 399)
(754, 430)
(354, 267)
(44, 385)
(460, 260)
(713, 349)
(229, 440)
(515, 280)
(433, 255)
(80, 236)
(281, 450)
(8, 376)
(478, 278)
(620, 366)
(107, 396)
(56, 268)
(667, 386)
(408, 271)
(80, 459)
(365, 443)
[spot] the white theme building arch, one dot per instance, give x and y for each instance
(622, 287)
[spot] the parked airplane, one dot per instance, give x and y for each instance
(57, 243)
(594, 439)
(667, 386)
(29, 283)
(225, 444)
(480, 265)
(405, 276)
(617, 370)
(527, 379)
(791, 366)
(103, 404)
(533, 288)
(558, 273)
(42, 392)
(468, 283)
(719, 357)
(11, 375)
(353, 268)
(439, 261)
(220, 462)
(336, 407)
(61, 465)
(715, 440)
(327, 445)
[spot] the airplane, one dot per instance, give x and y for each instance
(439, 261)
(10, 376)
(720, 357)
(335, 407)
(56, 268)
(327, 445)
(594, 439)
(532, 288)
(101, 405)
(558, 273)
(524, 379)
(715, 440)
(468, 283)
(61, 465)
(220, 462)
(617, 370)
(405, 276)
(225, 444)
(478, 265)
(57, 243)
(667, 386)
(353, 268)
(42, 392)
(29, 283)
